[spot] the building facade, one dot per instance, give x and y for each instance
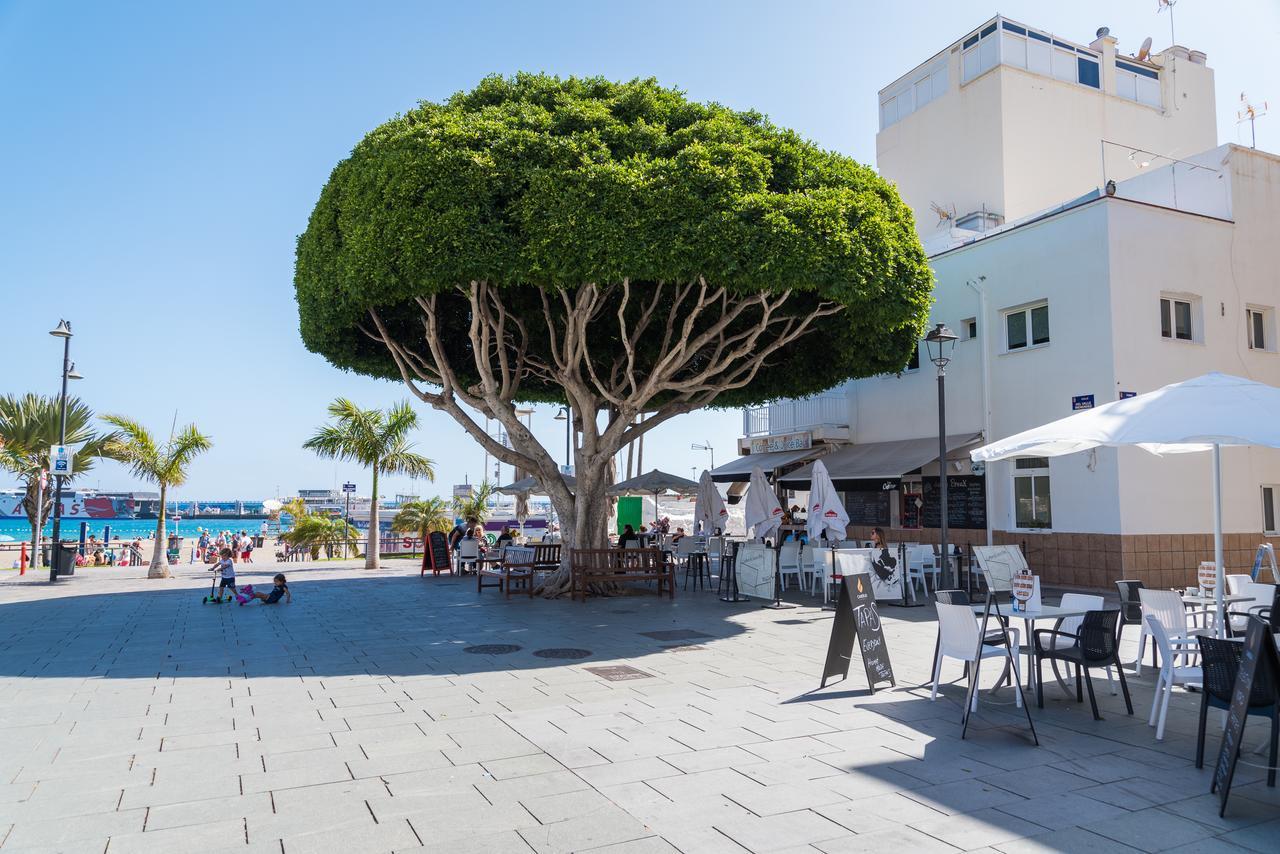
(1069, 286)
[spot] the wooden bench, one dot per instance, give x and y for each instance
(515, 570)
(546, 557)
(602, 566)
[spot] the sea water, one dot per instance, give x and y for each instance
(128, 529)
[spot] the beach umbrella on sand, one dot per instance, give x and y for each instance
(826, 511)
(708, 508)
(1193, 416)
(654, 483)
(764, 513)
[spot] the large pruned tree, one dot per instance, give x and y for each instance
(610, 246)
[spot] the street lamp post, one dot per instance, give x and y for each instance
(68, 373)
(939, 341)
(705, 446)
(566, 415)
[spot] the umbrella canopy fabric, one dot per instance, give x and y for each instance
(1200, 414)
(654, 483)
(764, 513)
(708, 508)
(531, 484)
(826, 511)
(1185, 417)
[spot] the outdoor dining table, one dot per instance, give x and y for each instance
(1029, 618)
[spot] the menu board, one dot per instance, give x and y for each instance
(857, 620)
(867, 508)
(966, 502)
(1259, 651)
(437, 554)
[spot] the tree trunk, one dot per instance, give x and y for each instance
(36, 514)
(374, 546)
(159, 560)
(584, 519)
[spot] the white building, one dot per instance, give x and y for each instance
(1066, 290)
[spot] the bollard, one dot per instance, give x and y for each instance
(22, 561)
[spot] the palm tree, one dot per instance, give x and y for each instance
(164, 464)
(297, 510)
(477, 505)
(315, 532)
(421, 518)
(28, 426)
(377, 440)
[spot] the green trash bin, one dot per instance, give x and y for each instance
(65, 559)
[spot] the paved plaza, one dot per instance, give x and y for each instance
(386, 712)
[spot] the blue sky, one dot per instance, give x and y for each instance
(161, 158)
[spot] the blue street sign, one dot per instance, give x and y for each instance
(1081, 401)
(1125, 395)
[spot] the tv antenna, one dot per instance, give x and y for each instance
(1161, 5)
(944, 214)
(1144, 52)
(1249, 112)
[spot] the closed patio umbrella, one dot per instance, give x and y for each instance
(708, 508)
(826, 510)
(1196, 415)
(764, 513)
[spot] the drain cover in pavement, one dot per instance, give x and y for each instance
(676, 634)
(621, 611)
(563, 653)
(619, 673)
(492, 649)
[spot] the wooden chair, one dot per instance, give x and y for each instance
(515, 571)
(621, 566)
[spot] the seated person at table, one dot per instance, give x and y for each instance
(507, 537)
(628, 535)
(678, 535)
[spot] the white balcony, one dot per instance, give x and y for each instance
(829, 410)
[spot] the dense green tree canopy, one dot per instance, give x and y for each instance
(538, 186)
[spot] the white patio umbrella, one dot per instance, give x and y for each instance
(708, 507)
(826, 511)
(763, 512)
(1200, 414)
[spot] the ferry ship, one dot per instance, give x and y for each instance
(88, 504)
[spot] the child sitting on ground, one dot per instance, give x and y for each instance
(228, 570)
(280, 589)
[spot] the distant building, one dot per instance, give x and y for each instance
(1063, 296)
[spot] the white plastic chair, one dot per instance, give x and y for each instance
(810, 572)
(789, 563)
(715, 548)
(958, 638)
(920, 562)
(468, 553)
(1166, 607)
(1170, 673)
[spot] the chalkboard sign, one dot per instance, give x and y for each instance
(857, 620)
(966, 502)
(437, 554)
(1259, 652)
(867, 508)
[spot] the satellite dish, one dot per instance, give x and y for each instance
(1145, 50)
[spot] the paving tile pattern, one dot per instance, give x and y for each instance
(386, 712)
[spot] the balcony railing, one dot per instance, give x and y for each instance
(788, 416)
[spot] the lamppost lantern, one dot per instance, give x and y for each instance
(940, 342)
(63, 330)
(565, 416)
(73, 374)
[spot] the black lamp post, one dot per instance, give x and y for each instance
(68, 373)
(566, 415)
(939, 341)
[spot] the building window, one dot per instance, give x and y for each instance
(1026, 327)
(968, 329)
(1138, 83)
(913, 364)
(905, 97)
(1031, 505)
(1037, 52)
(1175, 319)
(1269, 510)
(1260, 328)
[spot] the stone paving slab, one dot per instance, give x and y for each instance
(135, 719)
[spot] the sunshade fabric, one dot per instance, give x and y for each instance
(826, 510)
(1181, 418)
(531, 485)
(877, 460)
(708, 508)
(654, 482)
(763, 512)
(739, 470)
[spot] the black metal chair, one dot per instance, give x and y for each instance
(1220, 659)
(1094, 646)
(1131, 609)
